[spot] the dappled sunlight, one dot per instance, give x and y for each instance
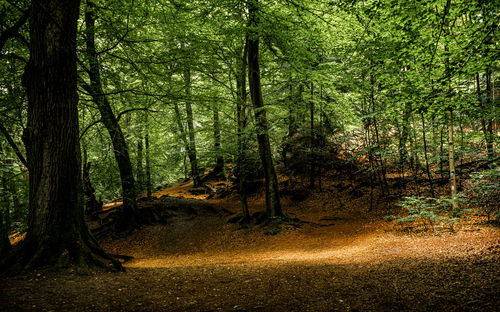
(359, 249)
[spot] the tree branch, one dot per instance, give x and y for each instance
(12, 31)
(13, 145)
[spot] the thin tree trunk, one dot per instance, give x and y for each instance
(382, 177)
(148, 160)
(451, 160)
(273, 205)
(120, 148)
(489, 122)
(140, 170)
(241, 109)
(13, 144)
(451, 145)
(429, 176)
(403, 152)
(195, 174)
(312, 168)
(183, 138)
(4, 213)
(219, 159)
(4, 233)
(441, 154)
(484, 119)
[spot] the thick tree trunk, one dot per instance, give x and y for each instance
(195, 174)
(273, 205)
(129, 207)
(57, 232)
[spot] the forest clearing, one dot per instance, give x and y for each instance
(338, 259)
(249, 155)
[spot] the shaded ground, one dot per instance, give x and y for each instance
(344, 259)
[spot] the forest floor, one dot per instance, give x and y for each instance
(339, 258)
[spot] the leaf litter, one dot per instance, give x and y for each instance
(340, 258)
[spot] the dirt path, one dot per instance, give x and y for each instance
(335, 263)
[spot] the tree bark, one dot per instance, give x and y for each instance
(4, 233)
(57, 232)
(429, 176)
(195, 174)
(148, 160)
(312, 161)
(451, 145)
(451, 161)
(273, 205)
(489, 122)
(140, 168)
(219, 159)
(484, 120)
(4, 212)
(241, 109)
(120, 148)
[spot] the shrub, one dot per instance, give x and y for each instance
(431, 212)
(483, 192)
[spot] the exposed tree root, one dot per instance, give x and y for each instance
(81, 254)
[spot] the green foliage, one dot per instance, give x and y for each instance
(375, 72)
(432, 213)
(483, 192)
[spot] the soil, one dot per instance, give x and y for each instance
(339, 258)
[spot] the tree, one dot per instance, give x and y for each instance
(129, 207)
(57, 232)
(273, 205)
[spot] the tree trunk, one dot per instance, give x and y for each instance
(451, 146)
(484, 120)
(148, 160)
(273, 205)
(403, 151)
(429, 176)
(129, 207)
(195, 174)
(57, 232)
(489, 122)
(184, 139)
(312, 167)
(4, 233)
(140, 169)
(451, 161)
(4, 213)
(92, 205)
(241, 109)
(441, 154)
(219, 159)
